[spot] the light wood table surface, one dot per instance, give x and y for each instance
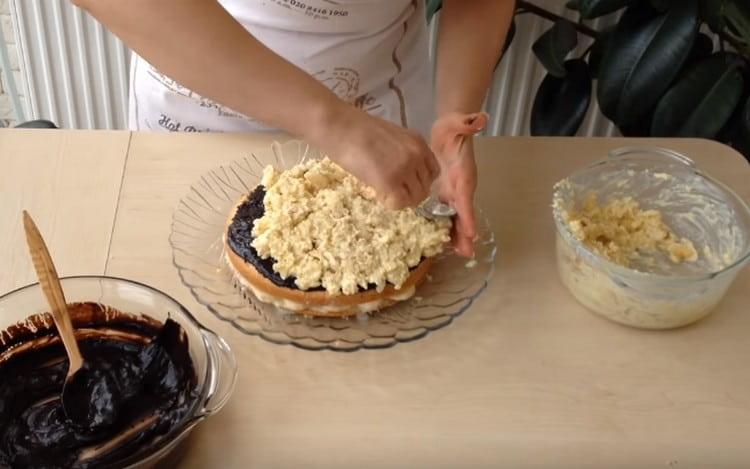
(525, 378)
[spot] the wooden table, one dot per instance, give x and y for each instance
(526, 378)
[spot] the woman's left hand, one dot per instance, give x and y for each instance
(452, 143)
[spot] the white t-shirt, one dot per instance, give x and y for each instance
(371, 53)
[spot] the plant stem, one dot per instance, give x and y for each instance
(539, 11)
(588, 50)
(736, 44)
(524, 6)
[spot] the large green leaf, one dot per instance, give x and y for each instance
(742, 143)
(703, 47)
(639, 129)
(712, 12)
(737, 16)
(597, 51)
(661, 5)
(596, 8)
(737, 131)
(432, 7)
(644, 56)
(561, 103)
(619, 59)
(554, 45)
(729, 17)
(702, 101)
(733, 127)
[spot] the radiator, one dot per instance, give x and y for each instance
(75, 73)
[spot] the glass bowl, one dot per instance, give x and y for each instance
(655, 293)
(200, 220)
(214, 362)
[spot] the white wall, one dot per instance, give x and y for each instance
(76, 72)
(7, 116)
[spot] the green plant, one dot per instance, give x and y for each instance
(667, 68)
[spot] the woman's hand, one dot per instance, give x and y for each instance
(453, 145)
(227, 64)
(470, 38)
(395, 161)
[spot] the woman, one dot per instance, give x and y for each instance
(352, 77)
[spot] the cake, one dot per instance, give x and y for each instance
(316, 241)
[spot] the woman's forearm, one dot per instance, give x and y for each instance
(197, 43)
(470, 41)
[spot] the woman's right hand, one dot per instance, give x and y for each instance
(394, 161)
(227, 64)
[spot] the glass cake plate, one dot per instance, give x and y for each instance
(200, 220)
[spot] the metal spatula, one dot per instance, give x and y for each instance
(432, 208)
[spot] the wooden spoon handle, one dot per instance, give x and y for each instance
(50, 282)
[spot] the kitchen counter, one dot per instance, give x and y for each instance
(525, 378)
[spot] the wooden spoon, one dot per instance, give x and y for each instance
(89, 395)
(50, 282)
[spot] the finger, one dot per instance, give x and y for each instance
(424, 178)
(463, 246)
(444, 134)
(451, 130)
(382, 191)
(388, 194)
(462, 124)
(432, 165)
(462, 243)
(466, 222)
(476, 122)
(414, 190)
(397, 199)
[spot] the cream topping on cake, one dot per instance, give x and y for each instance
(326, 228)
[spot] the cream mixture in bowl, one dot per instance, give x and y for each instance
(647, 240)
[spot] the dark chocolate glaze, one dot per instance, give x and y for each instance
(240, 239)
(137, 374)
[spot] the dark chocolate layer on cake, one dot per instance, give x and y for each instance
(240, 239)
